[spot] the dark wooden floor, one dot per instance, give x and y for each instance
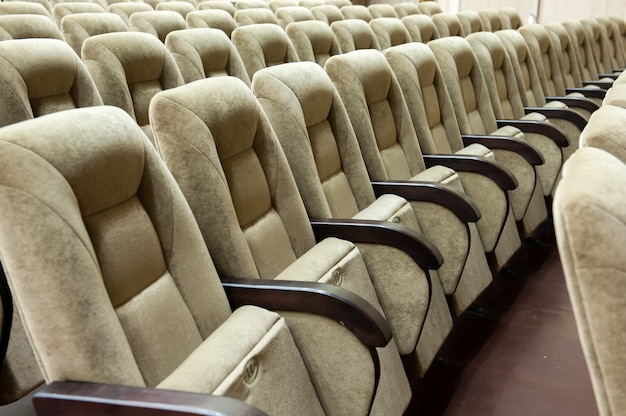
(519, 354)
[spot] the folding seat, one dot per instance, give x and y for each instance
(510, 18)
(309, 4)
(212, 18)
(554, 144)
(389, 31)
(127, 8)
(44, 3)
(129, 68)
(589, 226)
(356, 11)
(448, 24)
(382, 10)
(205, 53)
(598, 39)
(421, 27)
(220, 147)
(583, 51)
(157, 23)
(327, 13)
(291, 14)
(277, 4)
(148, 308)
(251, 4)
(263, 45)
(429, 8)
(24, 7)
(246, 17)
(406, 8)
(313, 41)
(78, 27)
(225, 5)
(472, 107)
(606, 128)
(490, 19)
(353, 34)
(484, 178)
(60, 10)
(21, 26)
(470, 21)
(181, 7)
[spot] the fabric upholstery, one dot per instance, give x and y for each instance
(597, 37)
(22, 26)
(126, 9)
(470, 21)
(490, 19)
(421, 28)
(589, 225)
(313, 41)
(406, 8)
(224, 5)
(157, 23)
(582, 48)
(353, 34)
(389, 31)
(277, 4)
(605, 131)
(212, 18)
(356, 12)
(293, 14)
(220, 146)
(204, 53)
(382, 10)
(327, 13)
(181, 7)
(255, 16)
(448, 24)
(44, 3)
(25, 7)
(60, 10)
(251, 4)
(429, 8)
(511, 18)
(78, 27)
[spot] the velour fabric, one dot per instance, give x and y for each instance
(429, 8)
(589, 224)
(181, 7)
(582, 48)
(204, 53)
(22, 26)
(277, 4)
(238, 183)
(60, 10)
(289, 14)
(605, 130)
(157, 23)
(251, 4)
(224, 5)
(448, 24)
(356, 11)
(263, 45)
(44, 3)
(596, 35)
(511, 17)
(353, 34)
(327, 13)
(126, 9)
(406, 8)
(313, 41)
(212, 18)
(490, 19)
(616, 95)
(382, 10)
(25, 7)
(255, 16)
(421, 28)
(311, 3)
(78, 27)
(390, 31)
(470, 21)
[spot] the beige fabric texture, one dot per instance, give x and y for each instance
(353, 34)
(356, 11)
(313, 41)
(590, 229)
(126, 9)
(237, 181)
(615, 96)
(253, 16)
(448, 24)
(382, 10)
(327, 13)
(277, 4)
(218, 4)
(429, 8)
(605, 131)
(25, 7)
(406, 8)
(251, 4)
(470, 21)
(389, 31)
(289, 14)
(212, 18)
(181, 7)
(60, 10)
(421, 28)
(205, 53)
(78, 27)
(21, 26)
(157, 23)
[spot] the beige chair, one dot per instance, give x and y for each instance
(102, 3)
(277, 4)
(621, 30)
(429, 8)
(148, 309)
(596, 35)
(313, 41)
(225, 5)
(583, 51)
(157, 23)
(327, 13)
(470, 21)
(263, 45)
(24, 7)
(127, 8)
(472, 107)
(382, 10)
(615, 96)
(448, 24)
(251, 4)
(212, 18)
(406, 8)
(353, 34)
(60, 10)
(181, 7)
(205, 53)
(78, 27)
(421, 27)
(22, 26)
(484, 179)
(220, 147)
(254, 16)
(309, 4)
(613, 39)
(510, 18)
(389, 31)
(491, 20)
(291, 14)
(589, 225)
(338, 3)
(605, 130)
(356, 11)
(129, 68)
(44, 3)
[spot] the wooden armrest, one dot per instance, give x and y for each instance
(72, 398)
(512, 144)
(7, 315)
(495, 171)
(612, 75)
(532, 126)
(561, 113)
(333, 302)
(425, 254)
(441, 194)
(583, 103)
(588, 93)
(605, 85)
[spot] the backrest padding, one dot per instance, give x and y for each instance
(313, 40)
(78, 27)
(354, 34)
(22, 26)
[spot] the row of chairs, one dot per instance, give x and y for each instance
(590, 230)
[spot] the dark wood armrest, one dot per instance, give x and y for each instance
(7, 315)
(587, 92)
(604, 85)
(612, 75)
(333, 302)
(532, 126)
(441, 194)
(512, 144)
(495, 171)
(583, 103)
(72, 398)
(425, 254)
(561, 113)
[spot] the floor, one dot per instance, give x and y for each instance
(518, 352)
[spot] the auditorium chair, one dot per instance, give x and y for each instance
(470, 21)
(102, 3)
(212, 18)
(614, 43)
(490, 19)
(127, 8)
(181, 7)
(60, 10)
(78, 27)
(421, 28)
(24, 7)
(589, 222)
(205, 53)
(406, 8)
(313, 41)
(510, 18)
(356, 11)
(448, 24)
(277, 4)
(616, 95)
(220, 147)
(251, 4)
(338, 3)
(44, 3)
(254, 16)
(597, 36)
(382, 10)
(225, 5)
(327, 13)
(484, 179)
(353, 34)
(22, 26)
(157, 23)
(621, 30)
(291, 14)
(606, 128)
(583, 51)
(309, 4)
(389, 31)
(429, 8)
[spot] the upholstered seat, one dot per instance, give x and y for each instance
(181, 7)
(224, 5)
(251, 4)
(78, 27)
(291, 14)
(605, 129)
(44, 3)
(277, 4)
(406, 8)
(255, 16)
(382, 10)
(22, 26)
(353, 34)
(327, 13)
(219, 145)
(212, 18)
(127, 8)
(356, 12)
(25, 7)
(490, 19)
(157, 23)
(429, 8)
(421, 28)
(590, 231)
(389, 31)
(313, 41)
(510, 18)
(470, 21)
(448, 24)
(60, 10)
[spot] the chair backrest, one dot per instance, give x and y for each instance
(25, 7)
(604, 130)
(389, 31)
(596, 36)
(291, 14)
(263, 45)
(511, 18)
(490, 19)
(356, 11)
(205, 53)
(406, 8)
(613, 41)
(157, 23)
(225, 5)
(567, 55)
(470, 21)
(327, 13)
(309, 4)
(430, 8)
(251, 4)
(313, 41)
(181, 7)
(44, 3)
(277, 4)
(60, 10)
(582, 48)
(255, 16)
(545, 55)
(448, 24)
(621, 30)
(382, 10)
(78, 27)
(127, 8)
(129, 68)
(338, 3)
(22, 26)
(353, 34)
(421, 27)
(590, 231)
(212, 18)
